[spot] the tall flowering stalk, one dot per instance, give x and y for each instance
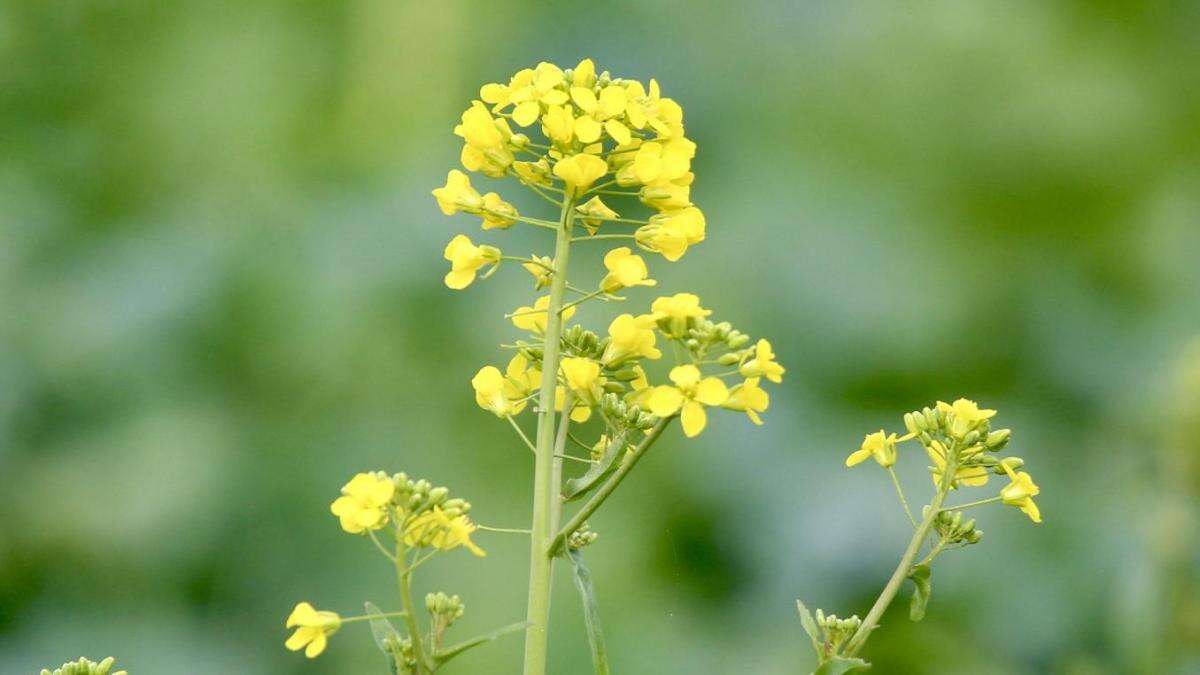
(602, 140)
(963, 452)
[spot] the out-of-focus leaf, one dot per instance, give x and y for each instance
(838, 665)
(591, 612)
(920, 576)
(387, 638)
(810, 626)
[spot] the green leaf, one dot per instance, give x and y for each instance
(386, 637)
(837, 665)
(576, 488)
(591, 612)
(920, 576)
(810, 626)
(454, 650)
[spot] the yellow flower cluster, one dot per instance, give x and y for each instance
(594, 369)
(593, 126)
(956, 435)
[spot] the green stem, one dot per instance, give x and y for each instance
(906, 561)
(900, 494)
(594, 237)
(404, 580)
(607, 489)
(541, 566)
(981, 502)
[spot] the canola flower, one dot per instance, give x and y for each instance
(964, 451)
(421, 521)
(612, 156)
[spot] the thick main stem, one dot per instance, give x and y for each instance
(541, 566)
(904, 568)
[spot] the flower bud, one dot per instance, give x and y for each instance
(997, 440)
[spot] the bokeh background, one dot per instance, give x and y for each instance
(220, 274)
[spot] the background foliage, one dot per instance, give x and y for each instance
(221, 279)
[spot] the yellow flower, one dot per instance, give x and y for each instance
(558, 124)
(640, 389)
(749, 398)
(1020, 493)
(364, 502)
(630, 337)
(584, 74)
(457, 194)
(435, 529)
(533, 319)
(594, 212)
(313, 629)
(600, 114)
(624, 269)
(879, 445)
(671, 234)
(466, 259)
(580, 171)
(673, 312)
(666, 197)
(505, 394)
(581, 411)
(582, 376)
(649, 108)
(970, 476)
(763, 364)
(965, 415)
(691, 394)
(542, 270)
(667, 162)
(497, 213)
(486, 139)
(534, 173)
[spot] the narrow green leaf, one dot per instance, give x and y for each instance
(810, 626)
(454, 650)
(920, 576)
(386, 637)
(838, 665)
(591, 612)
(576, 488)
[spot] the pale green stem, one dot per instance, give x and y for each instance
(906, 561)
(630, 221)
(981, 502)
(502, 530)
(404, 579)
(594, 237)
(560, 447)
(900, 494)
(521, 260)
(584, 299)
(521, 433)
(609, 486)
(933, 553)
(541, 566)
(368, 617)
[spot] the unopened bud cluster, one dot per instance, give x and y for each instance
(582, 538)
(952, 529)
(835, 631)
(85, 667)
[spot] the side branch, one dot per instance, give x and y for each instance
(609, 486)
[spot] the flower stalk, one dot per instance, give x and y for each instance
(541, 566)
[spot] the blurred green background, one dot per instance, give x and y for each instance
(220, 274)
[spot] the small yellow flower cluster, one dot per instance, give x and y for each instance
(608, 364)
(957, 437)
(422, 517)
